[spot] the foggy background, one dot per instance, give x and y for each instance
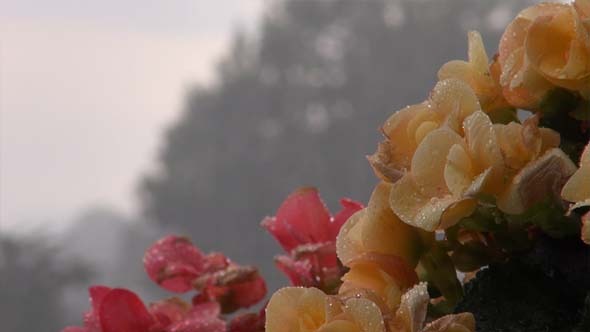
(122, 121)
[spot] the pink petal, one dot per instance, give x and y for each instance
(91, 320)
(349, 207)
(203, 317)
(122, 310)
(302, 218)
(173, 263)
(169, 311)
(249, 322)
(234, 288)
(298, 272)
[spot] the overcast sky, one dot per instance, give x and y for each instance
(87, 88)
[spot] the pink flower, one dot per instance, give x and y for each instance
(233, 288)
(117, 310)
(178, 266)
(305, 229)
(174, 262)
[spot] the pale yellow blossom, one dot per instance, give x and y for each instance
(481, 76)
(450, 102)
(298, 309)
(546, 46)
(517, 165)
(376, 229)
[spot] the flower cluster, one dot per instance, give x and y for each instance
(178, 266)
(462, 183)
(306, 231)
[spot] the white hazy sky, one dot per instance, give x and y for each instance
(87, 88)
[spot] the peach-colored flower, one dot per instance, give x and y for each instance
(577, 190)
(450, 102)
(297, 309)
(518, 165)
(481, 76)
(386, 276)
(376, 229)
(546, 45)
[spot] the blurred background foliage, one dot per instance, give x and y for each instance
(298, 102)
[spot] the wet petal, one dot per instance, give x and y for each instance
(577, 188)
(173, 263)
(122, 310)
(537, 181)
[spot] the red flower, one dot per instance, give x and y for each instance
(304, 228)
(233, 288)
(174, 262)
(249, 322)
(117, 310)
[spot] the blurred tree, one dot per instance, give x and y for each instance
(32, 280)
(300, 104)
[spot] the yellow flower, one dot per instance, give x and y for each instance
(451, 101)
(546, 45)
(481, 76)
(376, 229)
(411, 315)
(577, 190)
(388, 277)
(298, 309)
(380, 250)
(516, 164)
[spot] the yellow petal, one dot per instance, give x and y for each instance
(340, 326)
(385, 233)
(477, 52)
(429, 161)
(536, 182)
(349, 241)
(577, 188)
(426, 212)
(458, 172)
(412, 311)
(482, 141)
(296, 309)
(455, 100)
(366, 314)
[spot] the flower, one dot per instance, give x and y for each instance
(481, 76)
(233, 288)
(387, 276)
(577, 190)
(173, 262)
(177, 265)
(515, 165)
(297, 309)
(306, 231)
(376, 229)
(117, 309)
(546, 45)
(450, 102)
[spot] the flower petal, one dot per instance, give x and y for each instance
(122, 310)
(302, 218)
(536, 182)
(294, 309)
(427, 212)
(173, 263)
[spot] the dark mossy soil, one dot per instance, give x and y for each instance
(544, 290)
